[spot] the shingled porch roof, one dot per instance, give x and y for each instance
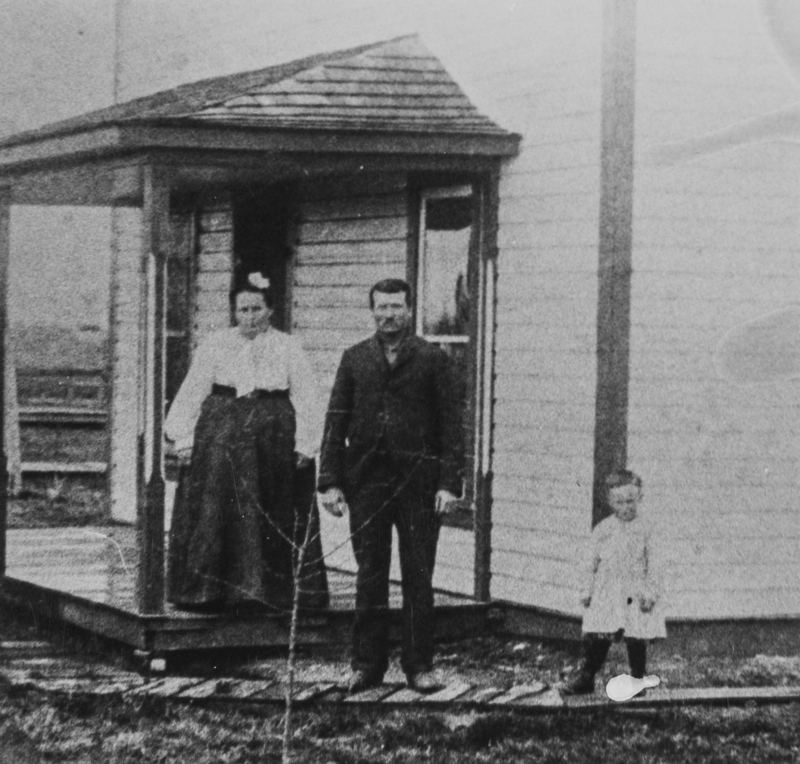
(395, 95)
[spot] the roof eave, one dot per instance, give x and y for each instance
(55, 149)
(146, 136)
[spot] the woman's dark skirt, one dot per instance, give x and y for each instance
(242, 511)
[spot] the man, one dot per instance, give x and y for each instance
(391, 455)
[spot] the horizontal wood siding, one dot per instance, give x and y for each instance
(715, 244)
(534, 68)
(214, 268)
(547, 298)
(349, 235)
(352, 233)
(126, 257)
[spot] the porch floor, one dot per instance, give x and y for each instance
(87, 576)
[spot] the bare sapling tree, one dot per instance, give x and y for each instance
(298, 559)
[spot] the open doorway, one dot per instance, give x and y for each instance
(216, 243)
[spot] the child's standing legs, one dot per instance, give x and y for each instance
(637, 656)
(595, 650)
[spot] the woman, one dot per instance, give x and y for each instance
(248, 414)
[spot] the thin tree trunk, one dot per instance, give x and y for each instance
(297, 576)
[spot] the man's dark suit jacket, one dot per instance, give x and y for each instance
(410, 411)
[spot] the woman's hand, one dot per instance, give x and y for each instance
(302, 461)
(587, 600)
(646, 604)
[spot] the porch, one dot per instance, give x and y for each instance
(313, 173)
(86, 577)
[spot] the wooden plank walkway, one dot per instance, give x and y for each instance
(53, 673)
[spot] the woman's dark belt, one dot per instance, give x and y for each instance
(230, 392)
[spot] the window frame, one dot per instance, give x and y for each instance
(477, 435)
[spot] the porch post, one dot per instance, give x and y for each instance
(489, 212)
(5, 255)
(616, 242)
(155, 218)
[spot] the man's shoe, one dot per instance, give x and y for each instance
(424, 681)
(582, 684)
(363, 680)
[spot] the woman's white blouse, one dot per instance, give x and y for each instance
(271, 361)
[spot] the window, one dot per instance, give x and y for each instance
(442, 275)
(446, 302)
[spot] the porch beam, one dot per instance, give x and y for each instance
(57, 148)
(116, 180)
(194, 170)
(155, 219)
(116, 140)
(302, 162)
(5, 256)
(334, 141)
(92, 183)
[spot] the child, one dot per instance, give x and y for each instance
(622, 590)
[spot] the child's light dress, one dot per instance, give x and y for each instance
(622, 571)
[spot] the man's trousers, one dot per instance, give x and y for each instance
(386, 499)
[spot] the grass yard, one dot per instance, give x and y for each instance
(38, 727)
(61, 729)
(62, 443)
(53, 501)
(49, 500)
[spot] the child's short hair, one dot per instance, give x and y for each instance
(619, 478)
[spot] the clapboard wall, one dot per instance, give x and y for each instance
(352, 232)
(535, 68)
(212, 309)
(715, 244)
(546, 304)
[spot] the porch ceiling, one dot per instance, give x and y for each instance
(393, 99)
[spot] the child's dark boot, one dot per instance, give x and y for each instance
(581, 684)
(637, 659)
(595, 650)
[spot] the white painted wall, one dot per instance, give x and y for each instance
(351, 233)
(212, 310)
(715, 244)
(534, 67)
(547, 306)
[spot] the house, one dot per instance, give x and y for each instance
(577, 194)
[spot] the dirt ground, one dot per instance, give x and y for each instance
(38, 727)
